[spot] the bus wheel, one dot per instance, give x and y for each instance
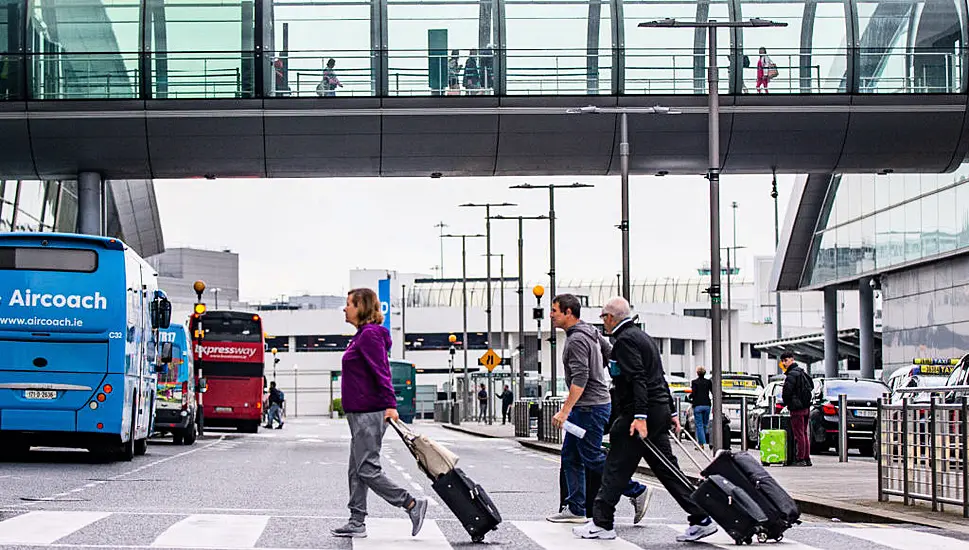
(141, 446)
(127, 452)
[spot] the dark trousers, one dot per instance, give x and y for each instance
(625, 451)
(505, 413)
(799, 425)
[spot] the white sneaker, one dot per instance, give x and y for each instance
(640, 504)
(592, 531)
(696, 532)
(566, 516)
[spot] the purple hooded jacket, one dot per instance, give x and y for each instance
(366, 384)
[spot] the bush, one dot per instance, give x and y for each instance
(337, 405)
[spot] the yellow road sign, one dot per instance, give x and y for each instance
(490, 360)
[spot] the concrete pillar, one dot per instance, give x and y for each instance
(831, 331)
(89, 203)
(866, 333)
(667, 343)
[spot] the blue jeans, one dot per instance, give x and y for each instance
(701, 418)
(275, 413)
(585, 455)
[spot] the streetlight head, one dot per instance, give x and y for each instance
(759, 22)
(199, 287)
(668, 22)
(273, 351)
(467, 205)
(578, 185)
(521, 186)
(538, 291)
(452, 338)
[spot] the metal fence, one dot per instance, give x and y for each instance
(547, 433)
(447, 412)
(525, 413)
(922, 448)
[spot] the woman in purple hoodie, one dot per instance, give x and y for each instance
(369, 401)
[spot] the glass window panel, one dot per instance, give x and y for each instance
(881, 189)
(930, 224)
(913, 185)
(663, 61)
(883, 240)
(842, 200)
(913, 231)
(201, 48)
(855, 203)
(318, 31)
(866, 252)
(84, 49)
(897, 234)
(11, 42)
(67, 208)
(948, 223)
(962, 214)
(51, 194)
(866, 194)
(31, 200)
(549, 48)
(931, 182)
(820, 69)
(825, 262)
(909, 46)
(896, 188)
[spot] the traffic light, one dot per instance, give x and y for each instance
(199, 308)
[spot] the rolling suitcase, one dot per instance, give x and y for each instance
(469, 502)
(466, 499)
(778, 422)
(773, 447)
(745, 472)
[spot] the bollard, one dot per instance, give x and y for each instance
(743, 423)
(842, 427)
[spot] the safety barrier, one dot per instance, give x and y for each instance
(547, 433)
(447, 412)
(525, 415)
(922, 447)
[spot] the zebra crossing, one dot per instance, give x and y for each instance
(253, 531)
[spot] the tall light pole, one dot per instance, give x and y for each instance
(777, 243)
(440, 226)
(626, 281)
(216, 291)
(521, 295)
(464, 307)
(551, 255)
(713, 175)
(487, 206)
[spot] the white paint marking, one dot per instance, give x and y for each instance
(213, 531)
(417, 487)
(45, 527)
(904, 538)
(721, 539)
(395, 533)
(406, 476)
(556, 536)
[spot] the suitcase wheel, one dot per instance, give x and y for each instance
(477, 538)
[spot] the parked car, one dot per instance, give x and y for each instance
(762, 407)
(734, 386)
(863, 398)
(680, 388)
(918, 376)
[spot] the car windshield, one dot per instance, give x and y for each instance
(855, 389)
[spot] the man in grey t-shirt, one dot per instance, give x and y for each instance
(588, 406)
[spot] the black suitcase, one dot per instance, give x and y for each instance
(746, 472)
(781, 422)
(731, 507)
(469, 502)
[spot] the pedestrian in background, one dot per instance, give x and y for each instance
(369, 402)
(507, 398)
(482, 403)
(701, 390)
(796, 394)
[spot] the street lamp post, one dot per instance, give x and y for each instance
(216, 292)
(777, 243)
(296, 390)
(537, 314)
(713, 175)
(625, 281)
(551, 255)
(440, 226)
(451, 393)
(464, 307)
(521, 295)
(487, 206)
(275, 362)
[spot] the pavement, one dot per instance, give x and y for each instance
(285, 489)
(831, 489)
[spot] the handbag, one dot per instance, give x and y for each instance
(771, 70)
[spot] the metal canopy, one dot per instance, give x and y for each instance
(809, 348)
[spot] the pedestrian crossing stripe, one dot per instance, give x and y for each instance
(224, 531)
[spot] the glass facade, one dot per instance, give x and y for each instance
(31, 205)
(873, 223)
(184, 49)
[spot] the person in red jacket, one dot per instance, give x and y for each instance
(369, 401)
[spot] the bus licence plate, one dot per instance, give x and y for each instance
(40, 394)
(223, 409)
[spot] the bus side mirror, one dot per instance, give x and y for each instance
(161, 313)
(203, 385)
(166, 353)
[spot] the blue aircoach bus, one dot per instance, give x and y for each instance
(79, 320)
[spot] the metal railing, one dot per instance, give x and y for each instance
(525, 413)
(447, 412)
(547, 433)
(922, 448)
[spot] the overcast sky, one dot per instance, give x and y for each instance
(305, 235)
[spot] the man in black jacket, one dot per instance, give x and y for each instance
(645, 411)
(796, 394)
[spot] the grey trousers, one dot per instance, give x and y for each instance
(366, 436)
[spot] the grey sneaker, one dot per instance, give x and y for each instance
(640, 504)
(566, 516)
(696, 532)
(592, 531)
(417, 513)
(350, 530)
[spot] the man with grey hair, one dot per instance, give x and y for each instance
(645, 411)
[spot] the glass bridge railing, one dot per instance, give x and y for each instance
(414, 73)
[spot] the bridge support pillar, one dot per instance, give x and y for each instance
(831, 332)
(90, 203)
(866, 332)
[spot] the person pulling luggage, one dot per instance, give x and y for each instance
(369, 402)
(646, 411)
(276, 400)
(587, 406)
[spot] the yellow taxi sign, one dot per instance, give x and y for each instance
(490, 360)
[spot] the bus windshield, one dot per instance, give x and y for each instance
(227, 326)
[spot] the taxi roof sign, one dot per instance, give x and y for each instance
(490, 360)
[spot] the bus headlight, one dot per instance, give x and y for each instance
(93, 405)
